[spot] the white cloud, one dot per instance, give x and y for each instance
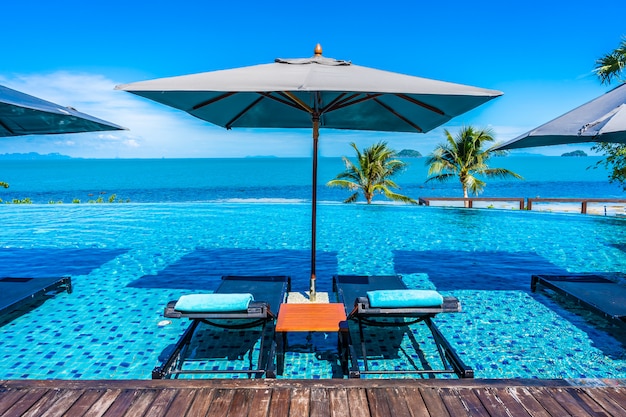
(157, 131)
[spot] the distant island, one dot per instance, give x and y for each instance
(31, 156)
(409, 153)
(575, 153)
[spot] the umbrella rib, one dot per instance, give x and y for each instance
(7, 128)
(338, 101)
(347, 102)
(421, 104)
(213, 100)
(287, 102)
(399, 116)
(296, 100)
(229, 124)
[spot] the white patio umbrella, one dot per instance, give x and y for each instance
(315, 93)
(23, 114)
(602, 119)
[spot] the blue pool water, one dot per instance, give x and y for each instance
(128, 260)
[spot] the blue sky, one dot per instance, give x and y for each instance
(539, 53)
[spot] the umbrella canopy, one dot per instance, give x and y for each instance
(600, 120)
(312, 93)
(23, 114)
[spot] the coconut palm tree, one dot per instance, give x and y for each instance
(463, 156)
(371, 174)
(612, 64)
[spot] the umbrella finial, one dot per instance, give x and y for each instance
(318, 50)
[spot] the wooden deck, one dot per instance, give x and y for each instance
(349, 398)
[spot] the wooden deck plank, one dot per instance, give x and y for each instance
(572, 402)
(414, 401)
(300, 402)
(471, 402)
(279, 403)
(260, 403)
(609, 399)
(378, 403)
(181, 403)
(240, 403)
(433, 402)
(161, 403)
(62, 401)
(397, 402)
(142, 402)
(222, 399)
(523, 396)
(452, 401)
(354, 398)
(102, 404)
(320, 403)
(201, 402)
(83, 403)
(357, 402)
(339, 403)
(22, 405)
(121, 403)
(9, 397)
(47, 401)
(596, 409)
(547, 401)
(510, 402)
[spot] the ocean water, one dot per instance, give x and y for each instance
(186, 180)
(128, 260)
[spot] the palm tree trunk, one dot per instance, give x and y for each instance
(465, 195)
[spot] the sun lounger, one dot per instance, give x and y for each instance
(371, 300)
(596, 293)
(20, 294)
(240, 302)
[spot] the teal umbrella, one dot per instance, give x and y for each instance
(23, 114)
(316, 92)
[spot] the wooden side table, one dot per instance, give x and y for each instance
(312, 317)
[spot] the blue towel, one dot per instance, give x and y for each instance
(213, 303)
(404, 298)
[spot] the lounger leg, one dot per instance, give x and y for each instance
(448, 353)
(163, 371)
(363, 349)
(281, 338)
(344, 347)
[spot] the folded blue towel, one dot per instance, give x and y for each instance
(213, 303)
(404, 298)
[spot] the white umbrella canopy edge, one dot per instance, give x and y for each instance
(312, 93)
(602, 119)
(22, 114)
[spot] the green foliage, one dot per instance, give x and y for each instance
(22, 201)
(4, 184)
(611, 66)
(615, 161)
(463, 156)
(372, 174)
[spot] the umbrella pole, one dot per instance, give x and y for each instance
(316, 131)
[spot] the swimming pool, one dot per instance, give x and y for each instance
(128, 260)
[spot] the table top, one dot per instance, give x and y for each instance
(311, 317)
